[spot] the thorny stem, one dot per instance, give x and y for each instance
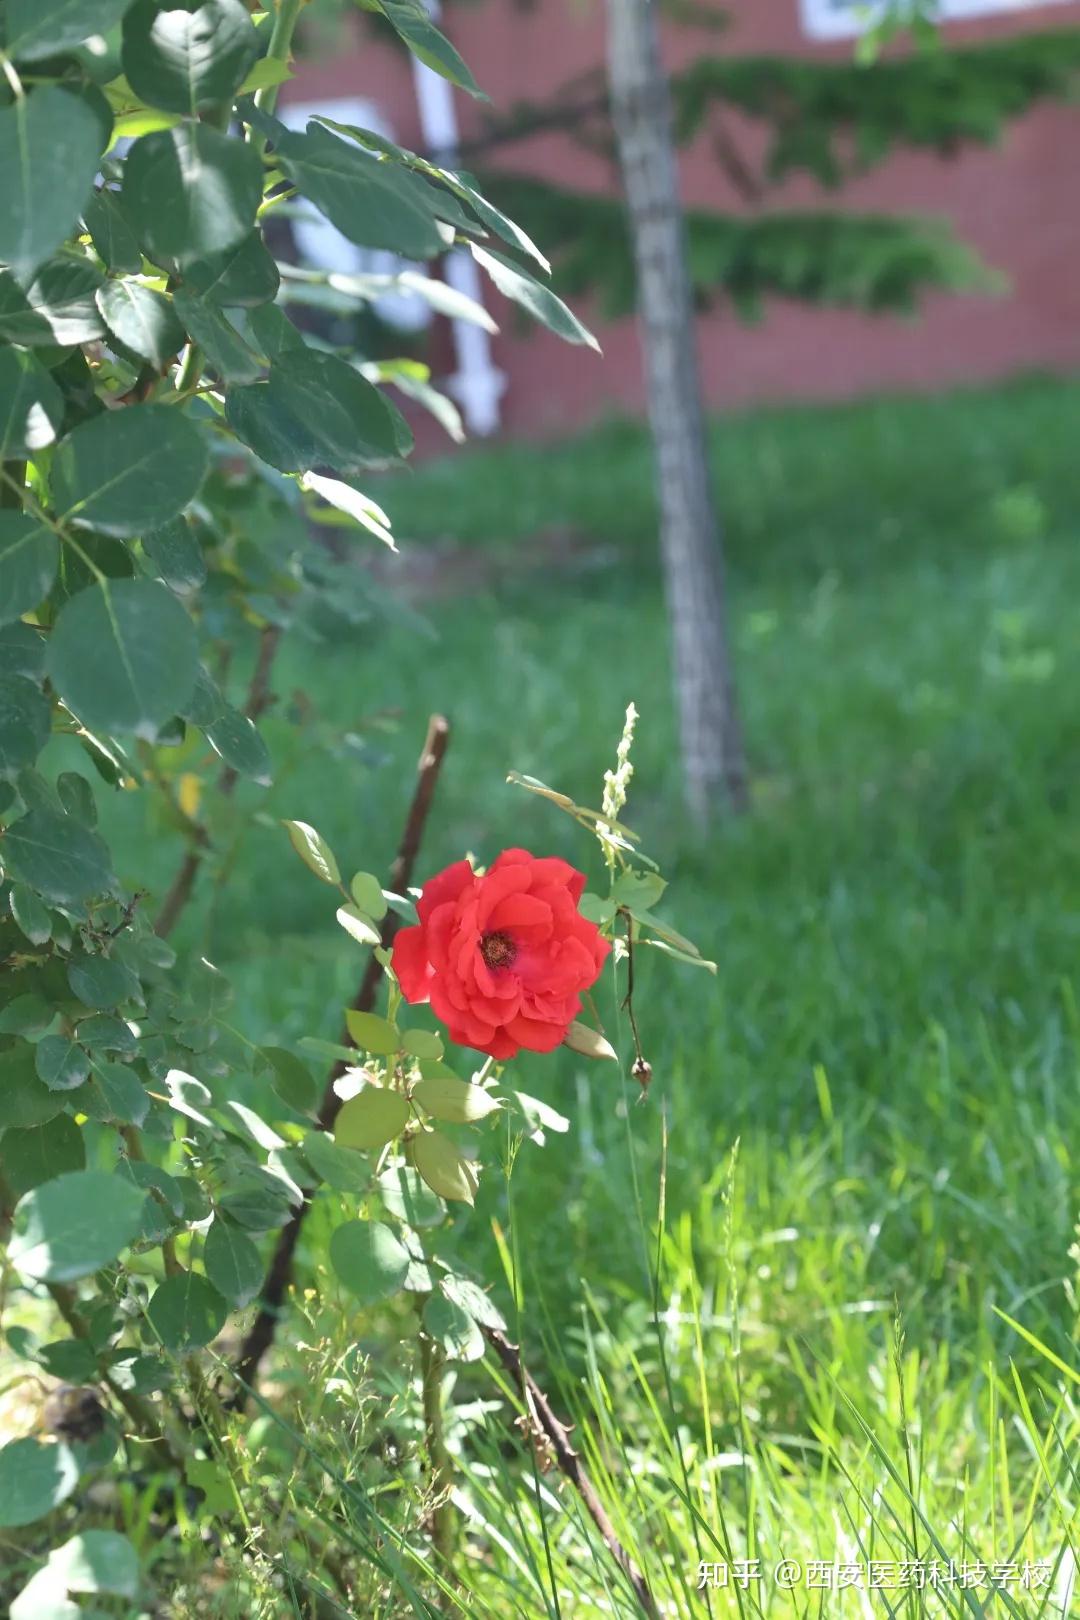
(539, 1411)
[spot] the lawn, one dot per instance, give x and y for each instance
(862, 1129)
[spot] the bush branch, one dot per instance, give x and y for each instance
(260, 1336)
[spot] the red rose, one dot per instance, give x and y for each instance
(502, 958)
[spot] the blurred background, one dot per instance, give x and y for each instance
(988, 153)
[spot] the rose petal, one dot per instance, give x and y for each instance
(410, 963)
(444, 886)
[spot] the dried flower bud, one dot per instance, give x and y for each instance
(642, 1073)
(74, 1412)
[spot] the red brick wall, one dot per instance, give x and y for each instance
(1018, 205)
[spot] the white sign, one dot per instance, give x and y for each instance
(841, 19)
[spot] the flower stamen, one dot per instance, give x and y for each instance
(498, 950)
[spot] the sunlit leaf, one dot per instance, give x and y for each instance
(369, 1260)
(50, 143)
(74, 1225)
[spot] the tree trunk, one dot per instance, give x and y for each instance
(714, 765)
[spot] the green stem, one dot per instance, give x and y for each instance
(441, 1518)
(279, 50)
(190, 372)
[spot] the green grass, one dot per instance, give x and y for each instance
(892, 1036)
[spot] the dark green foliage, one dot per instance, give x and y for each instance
(834, 119)
(872, 262)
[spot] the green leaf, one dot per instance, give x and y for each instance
(111, 233)
(50, 143)
(371, 1119)
(77, 797)
(31, 405)
(178, 558)
(538, 1115)
(74, 1225)
(369, 1260)
(372, 201)
(233, 1263)
(65, 862)
(41, 28)
(406, 1197)
(596, 908)
(244, 275)
(127, 471)
(61, 1062)
(361, 928)
(638, 891)
(35, 1154)
(452, 1328)
(413, 24)
(104, 1034)
(589, 1042)
(22, 647)
(274, 332)
(114, 1094)
(31, 917)
(236, 739)
(366, 890)
(27, 1014)
(186, 60)
(455, 1101)
(265, 75)
(188, 1096)
(96, 1561)
(142, 320)
(541, 303)
(472, 1298)
(224, 348)
(186, 1312)
(191, 191)
(292, 1080)
(423, 1044)
(339, 1167)
(313, 850)
(496, 221)
(25, 721)
(314, 409)
(442, 1166)
(72, 1360)
(124, 656)
(57, 307)
(372, 1033)
(103, 982)
(259, 1205)
(34, 1478)
(361, 508)
(29, 553)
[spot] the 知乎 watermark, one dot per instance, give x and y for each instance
(877, 1575)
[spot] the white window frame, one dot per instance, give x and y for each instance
(844, 19)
